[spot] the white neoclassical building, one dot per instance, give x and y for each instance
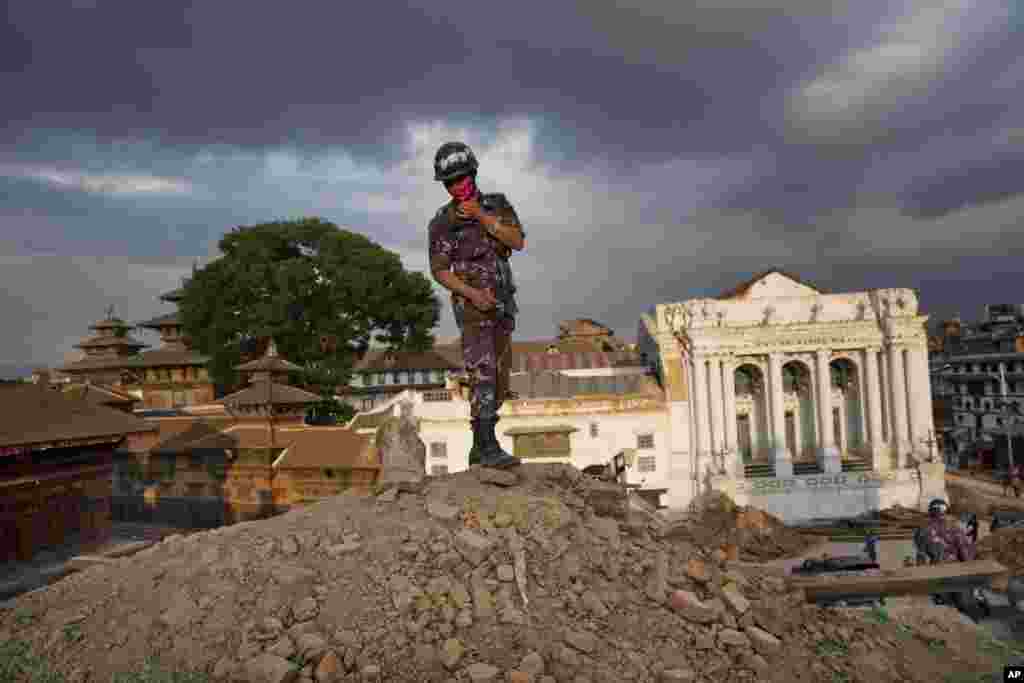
(809, 402)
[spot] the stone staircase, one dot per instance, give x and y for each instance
(759, 469)
(804, 468)
(856, 465)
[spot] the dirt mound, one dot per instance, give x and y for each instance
(537, 574)
(741, 533)
(1005, 546)
(965, 500)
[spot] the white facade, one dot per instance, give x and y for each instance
(782, 375)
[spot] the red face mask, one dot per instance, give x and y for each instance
(463, 190)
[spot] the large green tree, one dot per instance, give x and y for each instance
(305, 282)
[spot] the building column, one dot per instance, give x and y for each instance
(731, 429)
(898, 404)
(715, 397)
(783, 462)
(699, 395)
(828, 454)
(920, 392)
(880, 461)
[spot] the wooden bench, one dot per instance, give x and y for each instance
(926, 580)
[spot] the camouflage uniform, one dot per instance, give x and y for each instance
(481, 261)
(944, 542)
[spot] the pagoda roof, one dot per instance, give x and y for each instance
(258, 393)
(146, 359)
(99, 394)
(103, 342)
(270, 362)
(328, 447)
(241, 436)
(109, 324)
(160, 321)
(38, 416)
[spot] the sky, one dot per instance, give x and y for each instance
(654, 153)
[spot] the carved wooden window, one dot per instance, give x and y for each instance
(438, 470)
(645, 441)
(646, 463)
(439, 449)
(367, 403)
(593, 430)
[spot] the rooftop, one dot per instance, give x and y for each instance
(36, 415)
(260, 393)
(328, 447)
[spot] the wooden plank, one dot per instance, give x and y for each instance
(905, 581)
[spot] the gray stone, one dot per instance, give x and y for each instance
(473, 547)
(581, 640)
(305, 610)
(224, 668)
(657, 579)
(532, 664)
(267, 668)
(504, 478)
(482, 673)
(336, 551)
(282, 648)
(311, 647)
(388, 496)
(403, 454)
(506, 572)
(443, 511)
(674, 675)
(763, 642)
(732, 597)
(511, 615)
(728, 636)
(594, 604)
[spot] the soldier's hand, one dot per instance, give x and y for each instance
(469, 209)
(483, 299)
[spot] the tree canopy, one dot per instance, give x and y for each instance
(323, 293)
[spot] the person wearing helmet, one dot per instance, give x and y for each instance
(470, 241)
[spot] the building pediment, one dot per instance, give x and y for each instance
(772, 284)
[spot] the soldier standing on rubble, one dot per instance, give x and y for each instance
(470, 241)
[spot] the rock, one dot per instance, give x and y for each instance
(482, 673)
(581, 640)
(451, 653)
(388, 495)
(311, 646)
(506, 573)
(329, 668)
(728, 636)
(532, 664)
(283, 648)
(224, 668)
(763, 642)
(703, 641)
(459, 595)
(370, 673)
(608, 529)
(673, 675)
(473, 547)
(690, 608)
(657, 580)
(594, 604)
(289, 546)
(519, 677)
(504, 478)
(734, 599)
(267, 668)
(511, 615)
(336, 551)
(443, 511)
(305, 610)
(502, 520)
(402, 453)
(697, 570)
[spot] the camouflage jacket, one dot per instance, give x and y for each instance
(465, 248)
(945, 542)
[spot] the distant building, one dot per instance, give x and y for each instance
(171, 376)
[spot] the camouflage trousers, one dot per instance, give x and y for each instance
(485, 345)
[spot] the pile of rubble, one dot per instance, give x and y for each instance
(739, 533)
(536, 574)
(963, 499)
(1005, 546)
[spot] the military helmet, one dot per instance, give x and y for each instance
(937, 507)
(453, 160)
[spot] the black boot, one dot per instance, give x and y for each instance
(493, 454)
(478, 442)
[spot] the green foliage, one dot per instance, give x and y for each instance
(330, 411)
(832, 648)
(298, 282)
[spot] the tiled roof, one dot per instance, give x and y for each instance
(160, 321)
(177, 434)
(146, 359)
(101, 342)
(269, 364)
(98, 394)
(244, 436)
(377, 361)
(109, 324)
(745, 286)
(33, 414)
(556, 385)
(258, 393)
(329, 447)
